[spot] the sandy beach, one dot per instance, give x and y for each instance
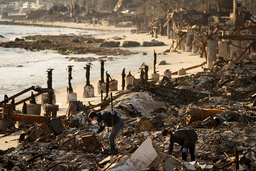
(175, 60)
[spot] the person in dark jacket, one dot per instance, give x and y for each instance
(108, 119)
(185, 138)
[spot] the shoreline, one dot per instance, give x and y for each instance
(81, 26)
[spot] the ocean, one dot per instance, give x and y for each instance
(34, 64)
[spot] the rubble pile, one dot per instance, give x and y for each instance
(74, 147)
(224, 123)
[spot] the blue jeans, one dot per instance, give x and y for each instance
(117, 128)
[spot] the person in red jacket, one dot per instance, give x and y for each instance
(185, 138)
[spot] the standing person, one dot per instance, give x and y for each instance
(108, 119)
(185, 138)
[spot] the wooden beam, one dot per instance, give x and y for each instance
(27, 118)
(205, 112)
(16, 95)
(28, 98)
(246, 37)
(192, 67)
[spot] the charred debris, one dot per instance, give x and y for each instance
(218, 103)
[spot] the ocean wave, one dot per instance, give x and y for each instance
(21, 57)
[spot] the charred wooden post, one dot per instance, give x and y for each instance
(155, 59)
(6, 99)
(101, 95)
(24, 108)
(102, 84)
(49, 86)
(71, 95)
(129, 81)
(155, 75)
(142, 74)
(88, 88)
(33, 100)
(70, 89)
(88, 67)
(146, 72)
(123, 79)
(13, 104)
(102, 71)
(107, 84)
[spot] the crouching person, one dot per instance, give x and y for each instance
(108, 119)
(185, 138)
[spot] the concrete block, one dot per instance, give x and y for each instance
(101, 87)
(88, 91)
(71, 97)
(155, 77)
(34, 109)
(113, 85)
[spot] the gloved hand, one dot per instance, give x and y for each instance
(94, 133)
(184, 150)
(112, 112)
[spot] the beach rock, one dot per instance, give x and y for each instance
(1, 36)
(90, 41)
(75, 41)
(44, 41)
(162, 62)
(110, 44)
(19, 40)
(153, 43)
(131, 44)
(117, 38)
